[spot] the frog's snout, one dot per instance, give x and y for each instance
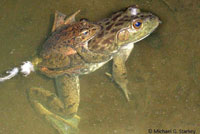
(160, 22)
(157, 19)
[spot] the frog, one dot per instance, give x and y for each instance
(117, 38)
(59, 59)
(58, 54)
(79, 48)
(114, 41)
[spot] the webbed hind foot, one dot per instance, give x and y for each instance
(62, 125)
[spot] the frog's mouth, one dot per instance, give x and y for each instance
(145, 36)
(142, 38)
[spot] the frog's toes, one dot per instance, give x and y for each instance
(109, 75)
(62, 125)
(127, 94)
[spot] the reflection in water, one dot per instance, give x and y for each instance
(163, 70)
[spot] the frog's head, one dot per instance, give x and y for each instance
(140, 26)
(86, 30)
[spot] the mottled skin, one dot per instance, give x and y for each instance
(56, 58)
(59, 52)
(117, 37)
(114, 41)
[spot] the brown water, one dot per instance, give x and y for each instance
(164, 69)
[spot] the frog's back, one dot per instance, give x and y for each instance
(63, 36)
(59, 51)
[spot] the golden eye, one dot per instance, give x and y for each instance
(85, 32)
(137, 24)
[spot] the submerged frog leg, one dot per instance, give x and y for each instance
(119, 72)
(69, 93)
(62, 125)
(60, 112)
(60, 19)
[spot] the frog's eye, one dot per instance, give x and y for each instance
(85, 32)
(84, 19)
(137, 24)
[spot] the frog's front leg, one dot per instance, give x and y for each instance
(59, 111)
(119, 72)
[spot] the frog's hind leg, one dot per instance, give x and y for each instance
(62, 125)
(61, 19)
(119, 72)
(68, 89)
(59, 110)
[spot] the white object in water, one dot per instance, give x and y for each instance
(11, 73)
(27, 68)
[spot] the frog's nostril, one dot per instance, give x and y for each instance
(159, 21)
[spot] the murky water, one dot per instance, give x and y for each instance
(164, 69)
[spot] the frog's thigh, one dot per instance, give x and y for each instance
(119, 71)
(69, 93)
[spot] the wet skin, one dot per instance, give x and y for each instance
(57, 55)
(115, 40)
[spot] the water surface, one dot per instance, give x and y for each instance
(164, 69)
